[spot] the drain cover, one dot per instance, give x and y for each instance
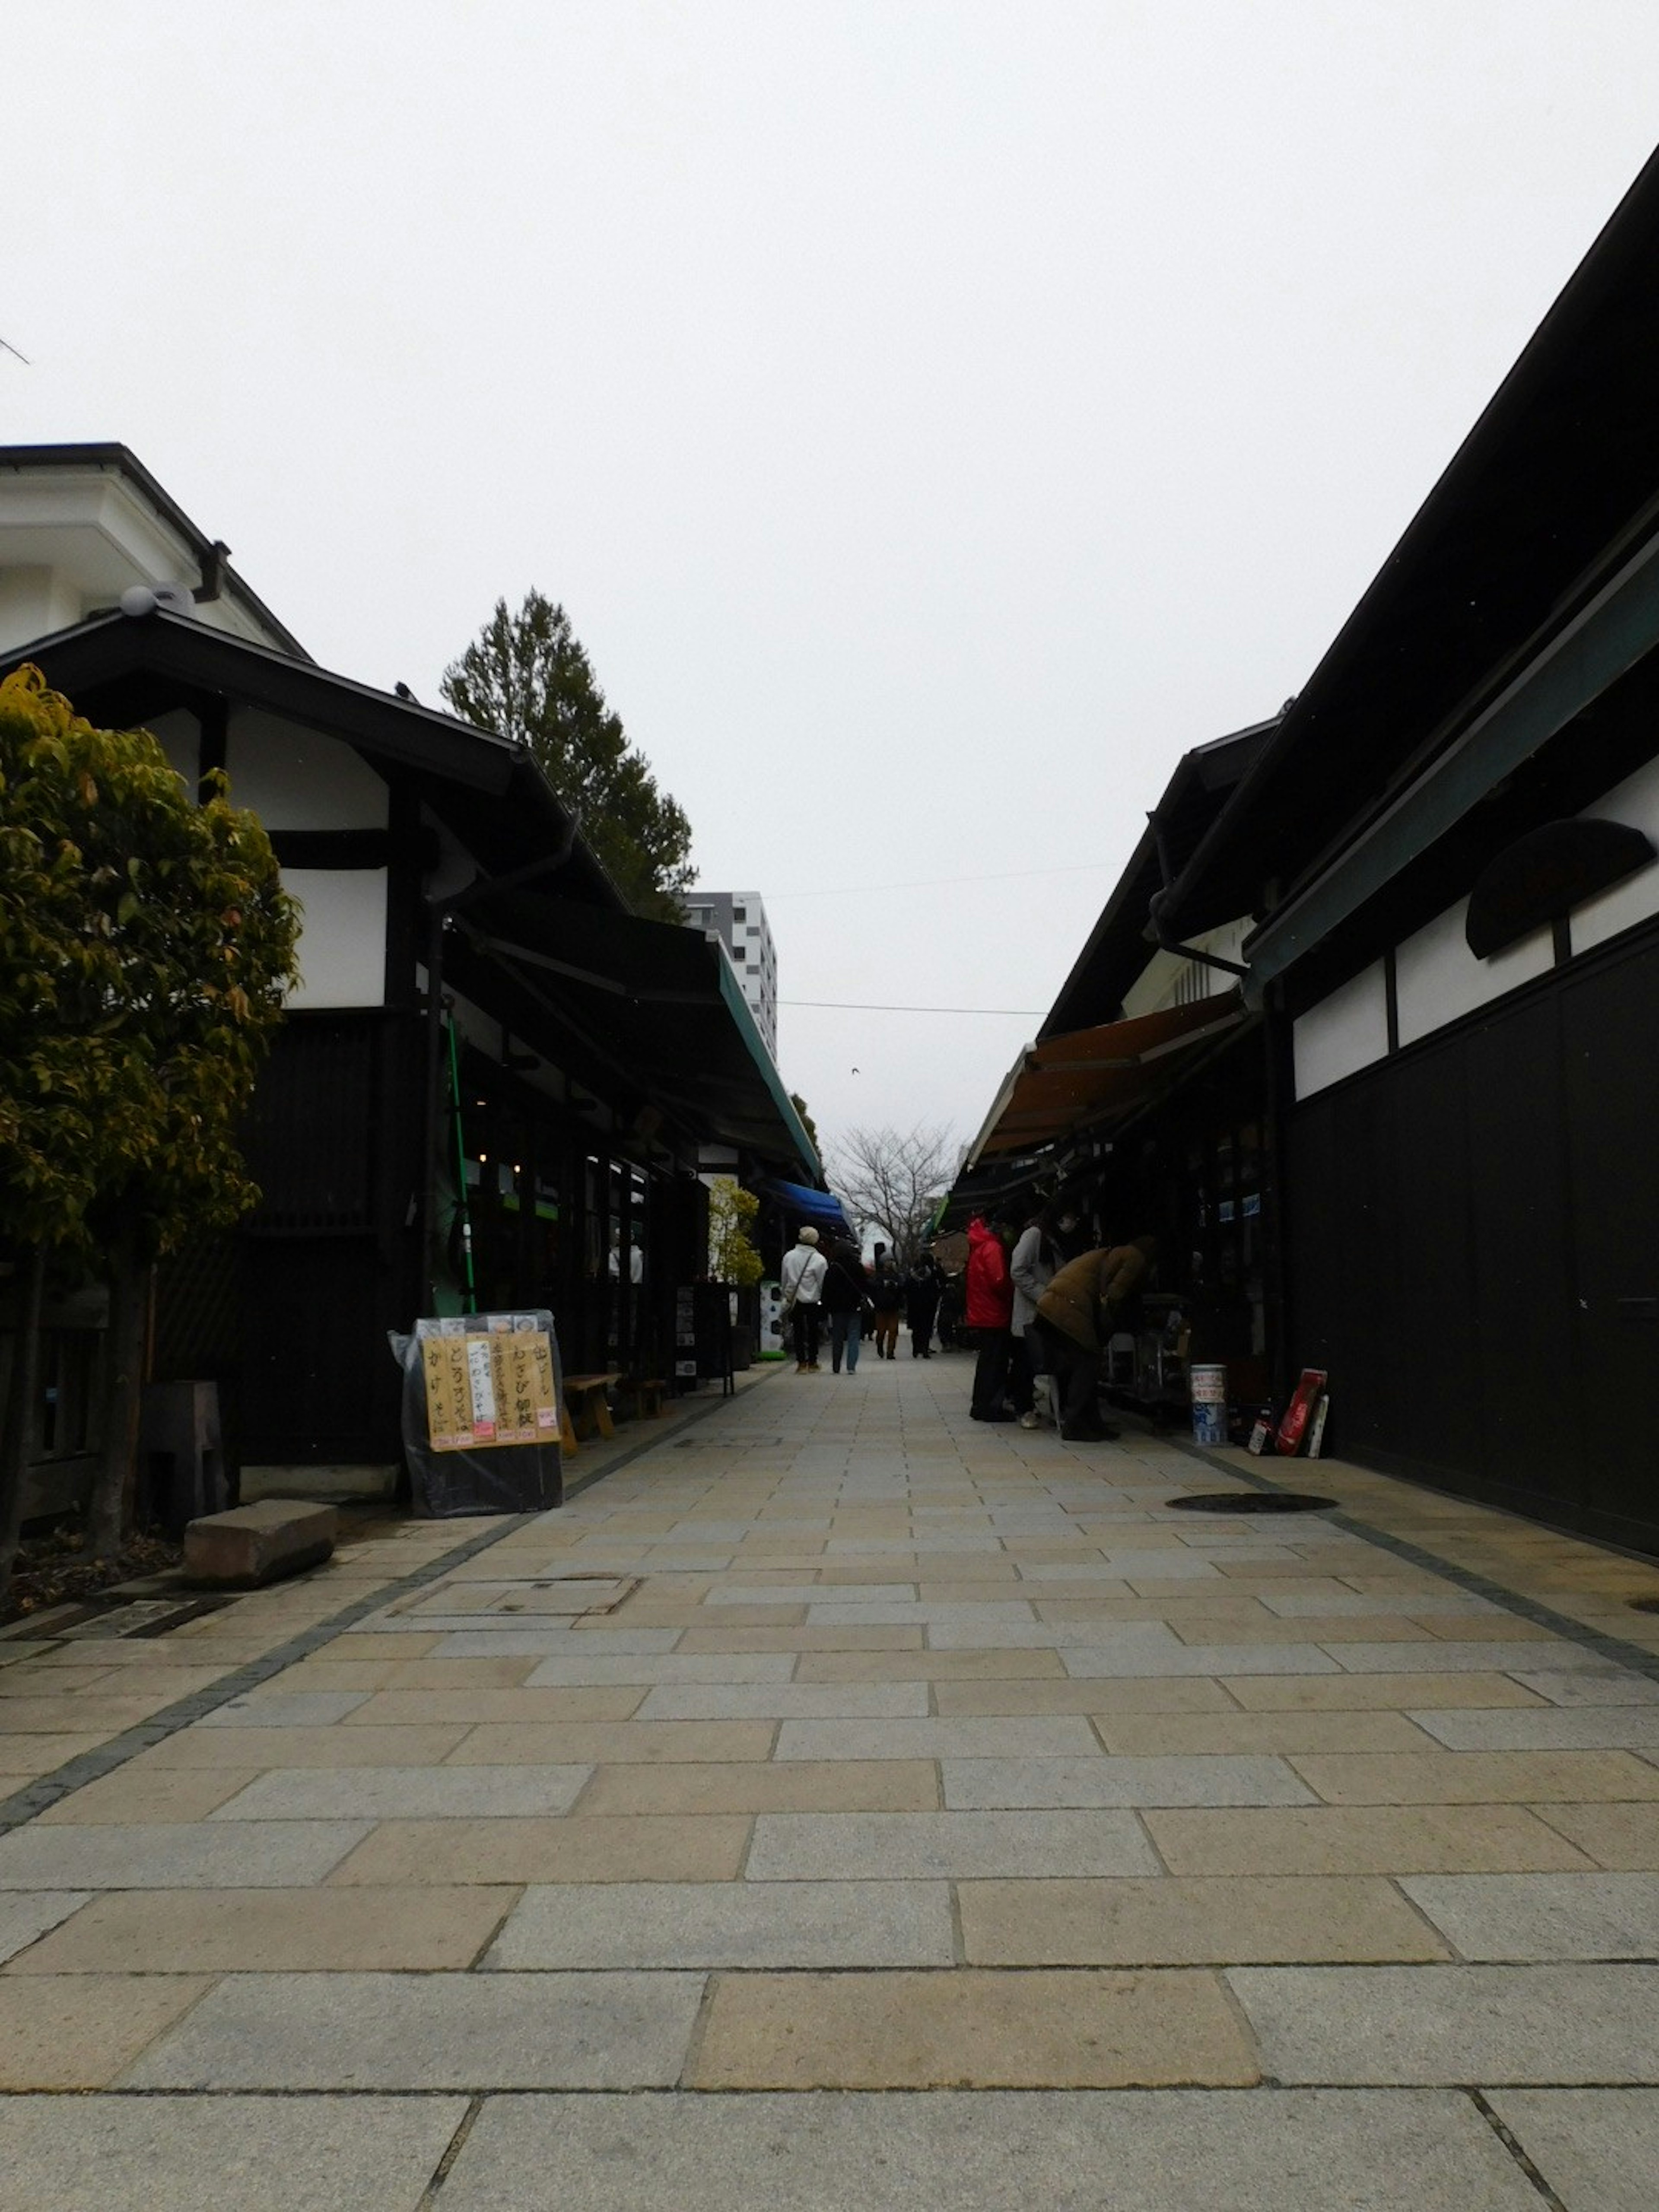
(1254, 1501)
(728, 1443)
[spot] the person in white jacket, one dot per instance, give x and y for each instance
(802, 1278)
(1038, 1252)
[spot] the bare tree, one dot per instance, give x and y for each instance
(892, 1181)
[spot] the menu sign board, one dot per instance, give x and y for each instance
(490, 1380)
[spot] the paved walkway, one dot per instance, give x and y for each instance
(840, 1744)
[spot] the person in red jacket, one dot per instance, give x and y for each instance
(990, 1316)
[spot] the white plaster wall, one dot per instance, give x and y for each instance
(1170, 980)
(1437, 978)
(297, 778)
(1636, 801)
(341, 955)
(1342, 1034)
(34, 603)
(179, 735)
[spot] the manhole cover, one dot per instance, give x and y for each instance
(145, 1617)
(728, 1443)
(482, 1605)
(1254, 1501)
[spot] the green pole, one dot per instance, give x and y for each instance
(460, 1175)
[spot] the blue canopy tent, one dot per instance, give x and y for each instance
(820, 1209)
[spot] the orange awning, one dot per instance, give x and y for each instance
(1090, 1075)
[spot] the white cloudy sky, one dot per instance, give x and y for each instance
(936, 415)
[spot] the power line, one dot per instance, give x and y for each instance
(936, 882)
(856, 1007)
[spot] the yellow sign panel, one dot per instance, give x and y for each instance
(490, 1386)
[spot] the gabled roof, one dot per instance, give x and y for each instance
(1117, 947)
(145, 663)
(212, 558)
(1547, 495)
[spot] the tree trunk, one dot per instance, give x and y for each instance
(123, 1386)
(19, 1425)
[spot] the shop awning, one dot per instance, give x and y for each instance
(821, 1209)
(1096, 1075)
(659, 1004)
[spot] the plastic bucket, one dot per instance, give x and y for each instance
(1209, 1424)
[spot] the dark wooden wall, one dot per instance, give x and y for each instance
(1473, 1251)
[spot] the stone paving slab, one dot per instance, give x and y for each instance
(411, 1793)
(600, 1667)
(1084, 2030)
(1477, 1777)
(837, 1847)
(1274, 1735)
(953, 1667)
(1103, 1656)
(749, 1924)
(880, 1785)
(1625, 1836)
(26, 1915)
(1441, 1657)
(997, 1699)
(211, 2155)
(1597, 2149)
(275, 1709)
(225, 2154)
(515, 1743)
(1360, 1694)
(1547, 1728)
(1427, 2025)
(477, 1642)
(939, 1739)
(253, 1749)
(1176, 1921)
(1126, 2151)
(474, 2032)
(1519, 1916)
(223, 1855)
(167, 1931)
(973, 1784)
(77, 2031)
(783, 1701)
(574, 1849)
(1590, 1685)
(1362, 1839)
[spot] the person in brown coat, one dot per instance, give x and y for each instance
(1077, 1315)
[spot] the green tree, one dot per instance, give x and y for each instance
(146, 951)
(526, 676)
(807, 1120)
(732, 1210)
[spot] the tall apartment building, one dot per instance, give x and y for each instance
(738, 920)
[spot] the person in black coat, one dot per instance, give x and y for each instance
(846, 1295)
(922, 1286)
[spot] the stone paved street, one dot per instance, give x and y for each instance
(1155, 1861)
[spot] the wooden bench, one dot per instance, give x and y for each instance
(644, 1395)
(586, 1405)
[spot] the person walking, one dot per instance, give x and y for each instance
(846, 1295)
(1077, 1316)
(802, 1278)
(921, 1290)
(1032, 1263)
(990, 1314)
(887, 1292)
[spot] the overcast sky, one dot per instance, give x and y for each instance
(934, 417)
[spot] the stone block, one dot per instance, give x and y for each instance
(475, 2032)
(255, 1544)
(99, 2154)
(1161, 2151)
(1539, 1916)
(1564, 2025)
(729, 1923)
(1597, 2149)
